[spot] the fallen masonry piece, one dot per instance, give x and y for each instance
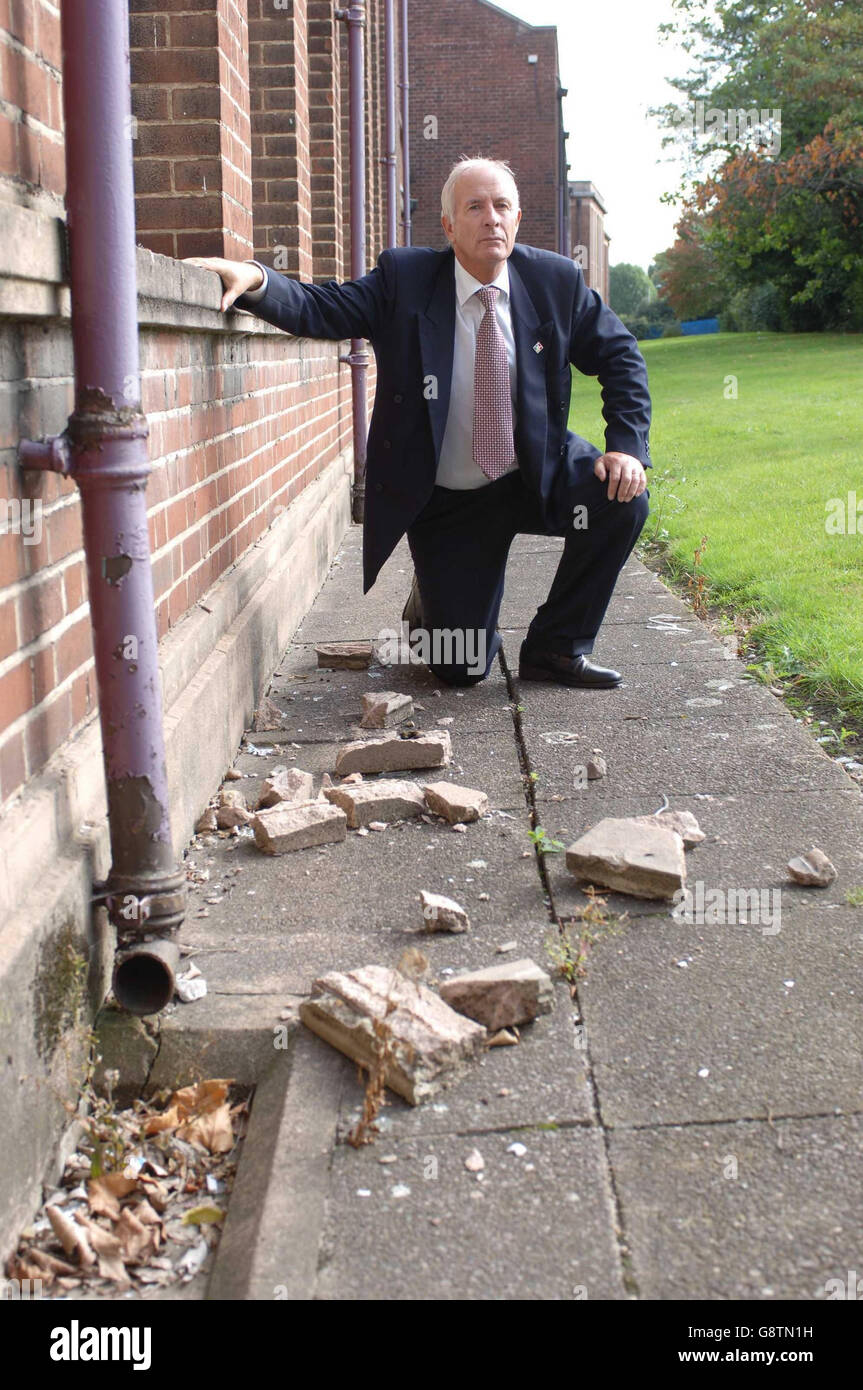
(443, 914)
(344, 656)
(683, 822)
(455, 804)
(813, 869)
(596, 766)
(365, 802)
(382, 709)
(288, 827)
(502, 995)
(395, 754)
(427, 1044)
(232, 809)
(646, 861)
(289, 784)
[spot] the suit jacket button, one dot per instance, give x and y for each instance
(379, 487)
(387, 444)
(398, 399)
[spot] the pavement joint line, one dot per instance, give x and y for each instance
(733, 1120)
(617, 1218)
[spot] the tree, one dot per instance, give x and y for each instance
(629, 289)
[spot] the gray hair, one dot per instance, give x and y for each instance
(462, 166)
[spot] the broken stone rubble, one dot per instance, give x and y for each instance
(344, 656)
(501, 996)
(645, 861)
(367, 802)
(442, 914)
(813, 869)
(232, 809)
(382, 709)
(427, 1044)
(285, 784)
(394, 753)
(684, 822)
(284, 828)
(456, 804)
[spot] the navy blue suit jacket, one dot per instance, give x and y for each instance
(406, 308)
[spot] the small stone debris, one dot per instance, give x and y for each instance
(232, 809)
(285, 784)
(683, 822)
(377, 803)
(474, 1163)
(379, 825)
(344, 656)
(596, 766)
(501, 996)
(426, 1044)
(516, 1149)
(456, 804)
(232, 775)
(282, 829)
(206, 822)
(395, 754)
(644, 861)
(383, 709)
(351, 778)
(506, 946)
(190, 987)
(326, 783)
(267, 716)
(460, 828)
(813, 869)
(442, 914)
(506, 1037)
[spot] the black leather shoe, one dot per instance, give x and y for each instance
(412, 613)
(566, 670)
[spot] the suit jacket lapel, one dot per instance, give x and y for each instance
(532, 340)
(437, 344)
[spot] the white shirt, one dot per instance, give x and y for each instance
(456, 467)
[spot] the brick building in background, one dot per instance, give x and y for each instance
(589, 240)
(484, 82)
(240, 139)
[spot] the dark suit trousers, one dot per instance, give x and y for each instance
(460, 544)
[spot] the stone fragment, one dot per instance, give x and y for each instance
(366, 803)
(596, 766)
(455, 804)
(812, 869)
(379, 825)
(232, 775)
(206, 822)
(232, 809)
(285, 784)
(283, 828)
(382, 709)
(267, 716)
(501, 995)
(326, 783)
(427, 1044)
(643, 860)
(506, 946)
(684, 822)
(395, 754)
(443, 914)
(351, 778)
(344, 656)
(474, 1163)
(507, 1037)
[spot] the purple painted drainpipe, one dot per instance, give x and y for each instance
(358, 356)
(390, 124)
(406, 139)
(104, 449)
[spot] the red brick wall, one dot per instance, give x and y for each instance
(469, 70)
(190, 98)
(31, 115)
(281, 159)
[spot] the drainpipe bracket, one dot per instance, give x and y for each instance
(48, 455)
(355, 359)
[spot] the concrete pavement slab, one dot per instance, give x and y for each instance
(762, 1211)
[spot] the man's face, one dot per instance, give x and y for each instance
(485, 220)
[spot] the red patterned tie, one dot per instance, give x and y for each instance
(492, 401)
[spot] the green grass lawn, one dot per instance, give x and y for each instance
(754, 475)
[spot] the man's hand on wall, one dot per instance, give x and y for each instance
(626, 475)
(236, 276)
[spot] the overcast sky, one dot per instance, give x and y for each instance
(614, 65)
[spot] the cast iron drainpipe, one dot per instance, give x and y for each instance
(389, 159)
(406, 141)
(104, 448)
(358, 356)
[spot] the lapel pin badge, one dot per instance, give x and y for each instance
(537, 347)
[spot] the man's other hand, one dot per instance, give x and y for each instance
(626, 475)
(236, 276)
